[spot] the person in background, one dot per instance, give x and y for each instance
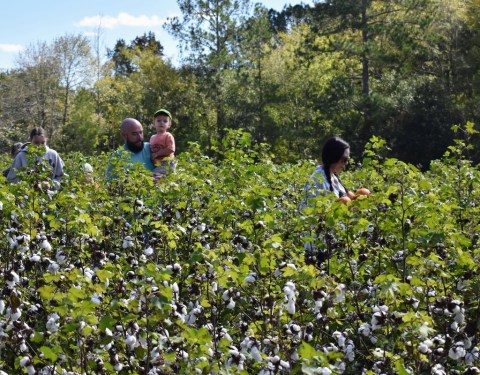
(138, 151)
(13, 152)
(325, 178)
(162, 144)
(38, 138)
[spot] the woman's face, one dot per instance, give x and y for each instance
(39, 140)
(341, 164)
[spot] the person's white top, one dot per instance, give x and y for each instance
(319, 185)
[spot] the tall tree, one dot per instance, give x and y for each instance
(39, 72)
(123, 55)
(208, 30)
(75, 65)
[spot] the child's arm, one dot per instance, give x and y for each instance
(168, 150)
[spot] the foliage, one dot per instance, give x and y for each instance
(216, 269)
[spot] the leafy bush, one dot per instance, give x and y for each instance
(215, 269)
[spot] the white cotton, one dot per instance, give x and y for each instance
(15, 277)
(53, 267)
(459, 317)
(457, 351)
(231, 304)
(226, 295)
(323, 371)
(61, 257)
(2, 306)
(177, 267)
(35, 258)
(52, 324)
(256, 355)
(148, 251)
(96, 299)
(127, 242)
(12, 241)
(45, 245)
(250, 278)
(1, 205)
(87, 168)
(24, 361)
(118, 367)
(175, 288)
(214, 286)
(131, 342)
(422, 348)
(31, 370)
(291, 306)
(364, 329)
(108, 332)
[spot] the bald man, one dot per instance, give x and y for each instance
(139, 151)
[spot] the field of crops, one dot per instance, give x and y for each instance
(206, 272)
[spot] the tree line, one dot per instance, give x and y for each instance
(403, 70)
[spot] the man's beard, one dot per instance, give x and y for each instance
(133, 148)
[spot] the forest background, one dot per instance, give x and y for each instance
(403, 70)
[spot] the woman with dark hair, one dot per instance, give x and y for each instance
(335, 157)
(38, 138)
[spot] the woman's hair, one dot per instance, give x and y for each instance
(16, 148)
(38, 131)
(332, 152)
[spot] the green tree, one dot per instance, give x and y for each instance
(75, 59)
(122, 57)
(208, 32)
(82, 132)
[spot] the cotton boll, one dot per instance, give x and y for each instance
(25, 361)
(255, 353)
(128, 242)
(35, 258)
(131, 342)
(148, 251)
(457, 351)
(45, 245)
(96, 299)
(323, 371)
(291, 307)
(250, 278)
(231, 304)
(118, 367)
(175, 288)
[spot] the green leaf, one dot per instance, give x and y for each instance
(400, 367)
(106, 322)
(48, 353)
(103, 275)
(47, 291)
(306, 351)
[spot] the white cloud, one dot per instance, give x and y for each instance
(11, 48)
(122, 19)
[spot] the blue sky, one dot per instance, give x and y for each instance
(26, 22)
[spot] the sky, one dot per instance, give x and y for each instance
(28, 22)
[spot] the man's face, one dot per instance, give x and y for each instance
(133, 137)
